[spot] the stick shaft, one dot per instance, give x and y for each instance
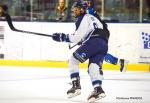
(9, 21)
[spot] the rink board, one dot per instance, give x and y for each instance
(61, 64)
(129, 41)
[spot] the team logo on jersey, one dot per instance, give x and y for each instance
(83, 55)
(146, 40)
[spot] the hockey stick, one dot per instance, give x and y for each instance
(9, 21)
(70, 47)
(79, 43)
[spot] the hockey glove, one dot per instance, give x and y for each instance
(60, 37)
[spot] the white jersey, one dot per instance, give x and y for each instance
(87, 25)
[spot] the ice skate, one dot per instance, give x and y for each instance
(75, 90)
(97, 94)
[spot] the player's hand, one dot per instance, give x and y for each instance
(60, 37)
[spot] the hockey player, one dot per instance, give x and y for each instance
(93, 37)
(89, 5)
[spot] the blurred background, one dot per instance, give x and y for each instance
(128, 11)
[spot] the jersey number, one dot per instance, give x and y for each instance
(95, 25)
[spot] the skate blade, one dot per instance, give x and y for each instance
(92, 100)
(71, 95)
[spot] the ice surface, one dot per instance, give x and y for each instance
(49, 85)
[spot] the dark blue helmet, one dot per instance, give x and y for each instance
(80, 5)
